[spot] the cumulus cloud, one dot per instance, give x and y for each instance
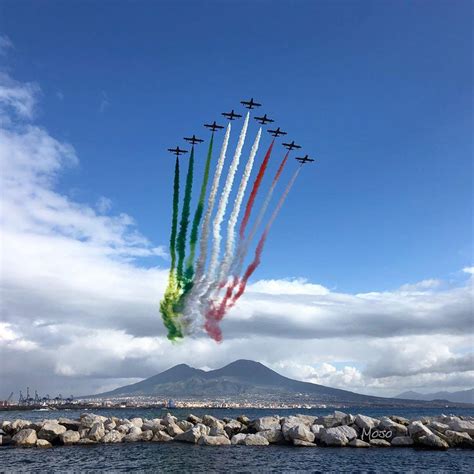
(80, 314)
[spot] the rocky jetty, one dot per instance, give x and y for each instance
(338, 429)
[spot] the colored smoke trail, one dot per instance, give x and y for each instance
(172, 292)
(224, 199)
(213, 318)
(189, 273)
(190, 312)
(230, 243)
(183, 226)
(255, 188)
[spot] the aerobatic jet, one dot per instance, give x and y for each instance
(193, 140)
(250, 104)
(291, 145)
(264, 120)
(177, 151)
(213, 126)
(277, 132)
(304, 159)
(231, 115)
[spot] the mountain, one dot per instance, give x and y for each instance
(463, 396)
(239, 381)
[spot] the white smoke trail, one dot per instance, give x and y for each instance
(191, 300)
(230, 244)
(216, 227)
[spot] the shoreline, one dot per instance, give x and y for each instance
(338, 429)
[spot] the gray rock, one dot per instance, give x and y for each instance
(315, 429)
(147, 435)
(238, 438)
(218, 432)
(245, 420)
(124, 428)
(42, 443)
(417, 429)
(5, 440)
(138, 422)
(86, 441)
(132, 437)
(337, 436)
(51, 431)
(400, 420)
(162, 437)
(69, 424)
(366, 422)
(18, 425)
(207, 440)
(97, 431)
(358, 443)
(273, 436)
(266, 423)
(436, 425)
(233, 427)
(113, 436)
(254, 440)
(300, 432)
(88, 419)
(212, 422)
(193, 435)
(194, 419)
(173, 429)
(397, 429)
(25, 437)
(432, 441)
(168, 418)
(379, 443)
(459, 439)
(185, 425)
(69, 437)
(465, 426)
(402, 441)
(153, 425)
(110, 425)
(303, 444)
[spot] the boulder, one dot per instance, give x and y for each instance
(440, 427)
(233, 427)
(417, 429)
(207, 440)
(185, 425)
(25, 437)
(162, 437)
(153, 425)
(315, 429)
(459, 439)
(218, 432)
(397, 429)
(168, 418)
(88, 419)
(138, 422)
(245, 420)
(69, 424)
(255, 440)
(147, 435)
(238, 438)
(212, 422)
(18, 425)
(124, 428)
(132, 437)
(358, 443)
(113, 436)
(42, 443)
(51, 431)
(465, 426)
(300, 432)
(5, 426)
(192, 435)
(110, 425)
(69, 437)
(273, 436)
(402, 441)
(432, 441)
(194, 419)
(266, 423)
(400, 420)
(97, 431)
(86, 441)
(366, 422)
(303, 444)
(173, 429)
(379, 443)
(337, 436)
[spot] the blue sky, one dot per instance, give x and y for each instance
(379, 92)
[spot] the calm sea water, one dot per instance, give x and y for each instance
(174, 457)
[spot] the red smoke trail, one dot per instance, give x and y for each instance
(217, 313)
(253, 193)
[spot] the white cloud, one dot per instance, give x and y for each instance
(5, 44)
(469, 270)
(80, 314)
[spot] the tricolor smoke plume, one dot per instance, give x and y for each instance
(190, 311)
(213, 318)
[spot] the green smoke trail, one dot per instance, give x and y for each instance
(183, 226)
(189, 272)
(172, 291)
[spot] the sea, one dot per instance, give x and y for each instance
(184, 458)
